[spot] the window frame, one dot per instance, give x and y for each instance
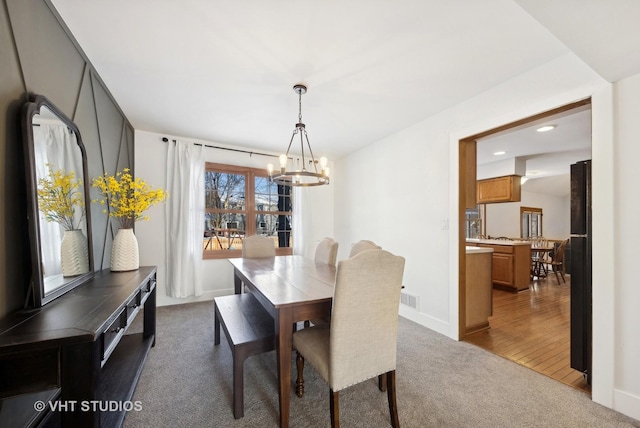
(250, 211)
(530, 211)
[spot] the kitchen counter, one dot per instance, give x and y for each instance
(475, 250)
(496, 242)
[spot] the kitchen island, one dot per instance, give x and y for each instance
(511, 263)
(479, 294)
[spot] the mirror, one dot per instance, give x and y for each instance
(57, 201)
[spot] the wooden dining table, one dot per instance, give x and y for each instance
(291, 289)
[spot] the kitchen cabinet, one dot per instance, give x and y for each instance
(499, 189)
(511, 263)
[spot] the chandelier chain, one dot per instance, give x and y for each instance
(300, 106)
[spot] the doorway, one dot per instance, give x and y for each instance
(539, 297)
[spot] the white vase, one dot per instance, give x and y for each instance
(124, 251)
(74, 253)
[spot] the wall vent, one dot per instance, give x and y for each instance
(408, 299)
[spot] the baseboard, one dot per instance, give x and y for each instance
(425, 320)
(206, 295)
(626, 403)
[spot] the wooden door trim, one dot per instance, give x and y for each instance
(466, 182)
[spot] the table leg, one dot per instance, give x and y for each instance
(284, 342)
(237, 282)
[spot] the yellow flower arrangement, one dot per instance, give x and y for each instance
(58, 196)
(126, 198)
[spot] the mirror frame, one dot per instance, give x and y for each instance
(36, 287)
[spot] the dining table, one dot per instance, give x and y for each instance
(292, 289)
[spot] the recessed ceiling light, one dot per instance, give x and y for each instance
(545, 128)
(499, 153)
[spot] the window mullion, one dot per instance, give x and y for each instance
(250, 203)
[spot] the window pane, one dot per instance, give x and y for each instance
(224, 231)
(271, 197)
(526, 232)
(473, 228)
(534, 226)
(277, 226)
(473, 222)
(224, 191)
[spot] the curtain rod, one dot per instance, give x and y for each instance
(166, 140)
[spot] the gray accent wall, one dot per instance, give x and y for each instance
(38, 55)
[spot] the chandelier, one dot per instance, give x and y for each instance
(308, 172)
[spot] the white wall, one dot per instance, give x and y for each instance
(408, 207)
(150, 165)
(503, 219)
(625, 289)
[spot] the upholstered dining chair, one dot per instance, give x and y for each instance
(256, 246)
(362, 246)
(361, 341)
(326, 252)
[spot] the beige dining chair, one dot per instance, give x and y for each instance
(326, 252)
(256, 246)
(360, 343)
(363, 246)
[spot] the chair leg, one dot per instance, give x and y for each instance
(391, 396)
(299, 379)
(555, 270)
(382, 382)
(335, 409)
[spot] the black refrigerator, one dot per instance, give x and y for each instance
(580, 260)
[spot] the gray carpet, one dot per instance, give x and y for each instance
(187, 382)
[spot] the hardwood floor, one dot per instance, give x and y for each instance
(531, 328)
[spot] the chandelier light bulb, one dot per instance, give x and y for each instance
(283, 161)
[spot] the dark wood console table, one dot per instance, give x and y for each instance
(77, 348)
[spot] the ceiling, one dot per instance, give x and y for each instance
(546, 155)
(223, 71)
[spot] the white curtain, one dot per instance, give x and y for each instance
(297, 225)
(55, 147)
(184, 219)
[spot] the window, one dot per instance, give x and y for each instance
(239, 202)
(530, 222)
(474, 223)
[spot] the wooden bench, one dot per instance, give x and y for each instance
(249, 330)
